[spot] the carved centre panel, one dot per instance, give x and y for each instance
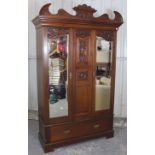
(83, 72)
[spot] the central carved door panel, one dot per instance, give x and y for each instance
(82, 73)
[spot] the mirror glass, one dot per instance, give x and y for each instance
(58, 69)
(103, 74)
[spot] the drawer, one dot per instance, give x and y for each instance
(99, 126)
(78, 129)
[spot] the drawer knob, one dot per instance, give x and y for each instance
(96, 126)
(67, 131)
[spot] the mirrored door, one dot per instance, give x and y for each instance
(103, 72)
(58, 40)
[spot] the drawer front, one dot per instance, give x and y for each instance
(79, 129)
(99, 126)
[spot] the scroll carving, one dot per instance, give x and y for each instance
(107, 35)
(45, 11)
(82, 33)
(56, 32)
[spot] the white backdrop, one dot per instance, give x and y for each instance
(102, 6)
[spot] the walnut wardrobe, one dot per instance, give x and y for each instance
(76, 57)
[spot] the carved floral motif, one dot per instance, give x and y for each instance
(107, 35)
(82, 33)
(82, 45)
(83, 50)
(84, 11)
(82, 75)
(55, 32)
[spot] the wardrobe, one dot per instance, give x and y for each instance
(76, 59)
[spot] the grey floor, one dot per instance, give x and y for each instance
(101, 146)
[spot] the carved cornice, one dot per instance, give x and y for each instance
(84, 13)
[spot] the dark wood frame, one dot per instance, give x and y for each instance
(83, 20)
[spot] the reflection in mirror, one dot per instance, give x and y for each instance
(103, 74)
(58, 70)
